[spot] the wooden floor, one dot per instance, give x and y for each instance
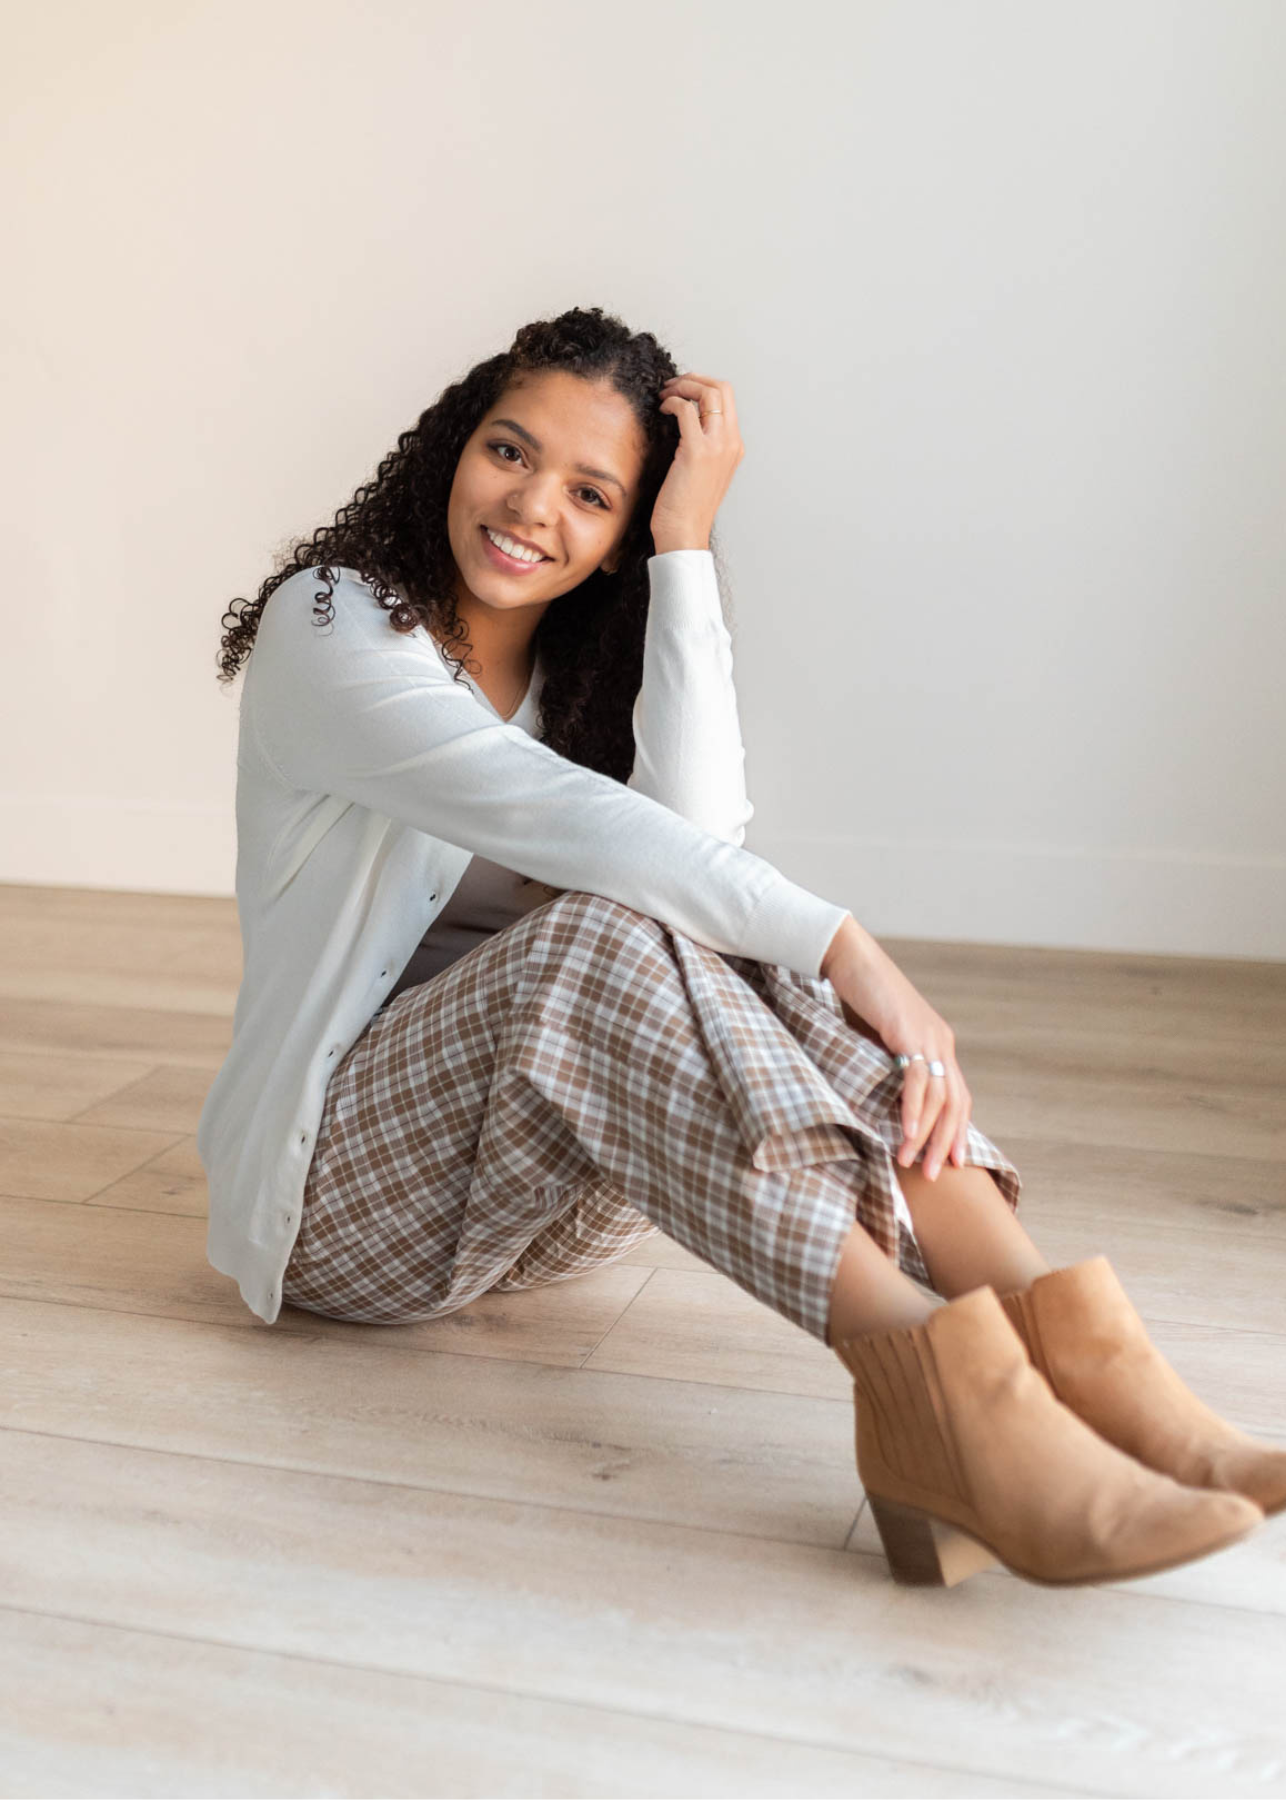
(605, 1538)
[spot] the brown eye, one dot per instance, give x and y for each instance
(504, 444)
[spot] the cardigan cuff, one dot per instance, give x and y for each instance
(793, 926)
(685, 580)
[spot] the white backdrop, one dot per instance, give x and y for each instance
(999, 285)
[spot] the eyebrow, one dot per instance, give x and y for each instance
(581, 468)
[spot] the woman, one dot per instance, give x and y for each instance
(512, 1002)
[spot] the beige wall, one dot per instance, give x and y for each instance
(1000, 287)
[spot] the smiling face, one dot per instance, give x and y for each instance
(555, 464)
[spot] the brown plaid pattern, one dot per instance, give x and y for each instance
(585, 1077)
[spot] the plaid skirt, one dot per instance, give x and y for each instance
(587, 1077)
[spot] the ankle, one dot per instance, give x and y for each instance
(869, 1291)
(856, 1316)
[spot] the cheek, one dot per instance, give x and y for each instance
(592, 535)
(470, 480)
(478, 479)
(458, 498)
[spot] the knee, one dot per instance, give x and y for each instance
(597, 911)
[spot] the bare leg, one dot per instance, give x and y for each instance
(870, 1292)
(967, 1234)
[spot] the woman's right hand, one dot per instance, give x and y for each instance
(873, 991)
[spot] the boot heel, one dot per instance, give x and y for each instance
(923, 1551)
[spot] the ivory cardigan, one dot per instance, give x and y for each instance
(488, 896)
(367, 777)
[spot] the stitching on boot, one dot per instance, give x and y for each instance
(943, 1438)
(883, 1417)
(1036, 1342)
(903, 1392)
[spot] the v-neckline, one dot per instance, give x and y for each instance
(504, 718)
(507, 718)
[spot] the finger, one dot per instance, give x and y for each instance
(919, 1110)
(941, 1104)
(929, 1115)
(914, 1083)
(709, 419)
(700, 380)
(685, 411)
(705, 388)
(947, 1131)
(690, 388)
(944, 1131)
(936, 1110)
(960, 1152)
(700, 429)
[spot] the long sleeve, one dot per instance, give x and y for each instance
(353, 709)
(689, 753)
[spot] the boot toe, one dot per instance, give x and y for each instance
(1083, 1333)
(1210, 1521)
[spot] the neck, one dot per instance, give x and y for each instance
(501, 659)
(501, 640)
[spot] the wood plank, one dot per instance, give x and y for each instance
(727, 1459)
(127, 1259)
(1115, 1691)
(179, 1023)
(23, 902)
(104, 1710)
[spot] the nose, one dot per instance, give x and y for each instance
(534, 502)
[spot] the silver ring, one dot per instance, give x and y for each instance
(936, 1067)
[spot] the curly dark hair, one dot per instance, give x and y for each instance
(394, 532)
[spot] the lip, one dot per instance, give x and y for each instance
(510, 563)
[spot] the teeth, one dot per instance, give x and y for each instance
(510, 548)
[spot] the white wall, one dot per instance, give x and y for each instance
(999, 285)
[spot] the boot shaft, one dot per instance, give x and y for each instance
(957, 1431)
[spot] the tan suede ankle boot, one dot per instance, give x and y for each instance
(969, 1459)
(1084, 1335)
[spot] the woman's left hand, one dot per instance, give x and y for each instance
(705, 461)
